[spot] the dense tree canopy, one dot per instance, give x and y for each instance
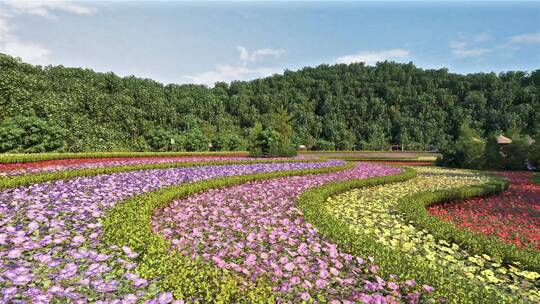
(330, 106)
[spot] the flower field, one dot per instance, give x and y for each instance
(371, 213)
(256, 230)
(227, 229)
(50, 234)
(512, 216)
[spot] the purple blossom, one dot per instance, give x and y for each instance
(54, 228)
(260, 226)
(165, 298)
(428, 288)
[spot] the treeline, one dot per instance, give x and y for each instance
(343, 107)
(470, 150)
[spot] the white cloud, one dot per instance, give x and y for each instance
(46, 8)
(242, 71)
(257, 55)
(482, 37)
(372, 57)
(11, 45)
(461, 48)
(228, 73)
(30, 52)
(472, 47)
(4, 29)
(526, 38)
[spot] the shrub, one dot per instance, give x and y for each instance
(196, 140)
(494, 158)
(229, 142)
(31, 134)
(516, 153)
(268, 142)
(468, 151)
(534, 155)
(325, 145)
(160, 140)
(263, 142)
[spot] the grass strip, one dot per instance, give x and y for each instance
(24, 180)
(128, 223)
(414, 209)
(34, 157)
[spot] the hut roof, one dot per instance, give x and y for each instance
(530, 140)
(501, 139)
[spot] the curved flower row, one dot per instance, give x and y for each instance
(50, 248)
(256, 230)
(371, 211)
(92, 163)
(513, 216)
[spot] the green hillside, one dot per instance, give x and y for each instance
(55, 108)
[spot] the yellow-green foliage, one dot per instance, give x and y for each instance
(371, 213)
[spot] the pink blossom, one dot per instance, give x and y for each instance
(289, 266)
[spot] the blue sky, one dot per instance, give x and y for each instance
(204, 42)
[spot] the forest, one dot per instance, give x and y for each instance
(329, 107)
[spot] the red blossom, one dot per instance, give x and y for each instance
(513, 215)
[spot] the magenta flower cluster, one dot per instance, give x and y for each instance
(50, 248)
(256, 230)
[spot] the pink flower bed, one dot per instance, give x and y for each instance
(256, 230)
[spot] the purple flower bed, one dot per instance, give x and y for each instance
(50, 248)
(105, 163)
(256, 230)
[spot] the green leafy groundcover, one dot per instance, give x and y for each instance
(128, 224)
(23, 180)
(25, 158)
(393, 258)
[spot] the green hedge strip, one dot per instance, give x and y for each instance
(24, 180)
(454, 287)
(353, 155)
(414, 210)
(33, 157)
(128, 223)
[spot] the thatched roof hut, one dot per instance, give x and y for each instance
(530, 140)
(503, 140)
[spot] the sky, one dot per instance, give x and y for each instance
(206, 42)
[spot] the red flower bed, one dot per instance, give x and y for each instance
(513, 215)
